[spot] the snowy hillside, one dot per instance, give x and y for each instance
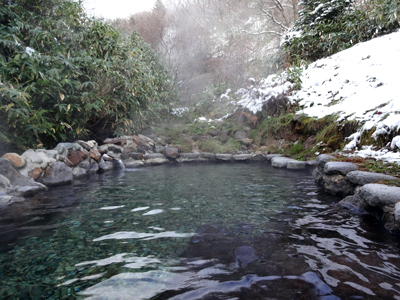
(361, 83)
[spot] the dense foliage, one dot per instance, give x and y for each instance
(64, 75)
(326, 27)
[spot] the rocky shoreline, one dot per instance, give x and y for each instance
(37, 170)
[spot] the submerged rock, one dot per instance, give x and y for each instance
(355, 204)
(296, 165)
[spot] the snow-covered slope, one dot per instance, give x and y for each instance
(361, 83)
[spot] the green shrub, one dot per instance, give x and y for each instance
(64, 75)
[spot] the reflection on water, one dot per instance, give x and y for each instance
(225, 231)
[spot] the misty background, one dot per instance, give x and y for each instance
(214, 43)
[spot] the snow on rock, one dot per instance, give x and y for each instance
(395, 142)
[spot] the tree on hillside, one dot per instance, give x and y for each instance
(326, 27)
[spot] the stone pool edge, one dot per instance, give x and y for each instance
(37, 170)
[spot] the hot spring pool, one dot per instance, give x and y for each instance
(207, 231)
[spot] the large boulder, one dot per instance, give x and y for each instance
(339, 167)
(363, 178)
(337, 185)
(57, 173)
(380, 194)
(17, 181)
(17, 160)
(171, 153)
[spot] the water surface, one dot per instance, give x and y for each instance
(212, 231)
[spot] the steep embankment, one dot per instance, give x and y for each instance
(358, 86)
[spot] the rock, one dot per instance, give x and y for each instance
(271, 156)
(207, 155)
(9, 199)
(323, 159)
(224, 137)
(86, 164)
(312, 162)
(16, 179)
(92, 144)
(355, 204)
(223, 157)
(141, 150)
(70, 146)
(171, 153)
(57, 173)
(141, 143)
(240, 135)
(396, 212)
(339, 167)
(146, 139)
(131, 163)
(296, 165)
(47, 156)
(75, 157)
(102, 150)
(245, 255)
(94, 166)
(246, 142)
(18, 161)
(281, 162)
(380, 194)
(190, 155)
(116, 141)
(66, 161)
(318, 173)
(32, 156)
(213, 132)
(363, 178)
(95, 154)
(242, 157)
(159, 149)
(62, 150)
(85, 154)
(337, 185)
(156, 160)
(4, 182)
(105, 166)
(137, 156)
(35, 174)
(258, 157)
(115, 148)
(124, 156)
(153, 156)
(107, 157)
(84, 145)
(78, 172)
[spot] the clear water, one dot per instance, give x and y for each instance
(214, 231)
